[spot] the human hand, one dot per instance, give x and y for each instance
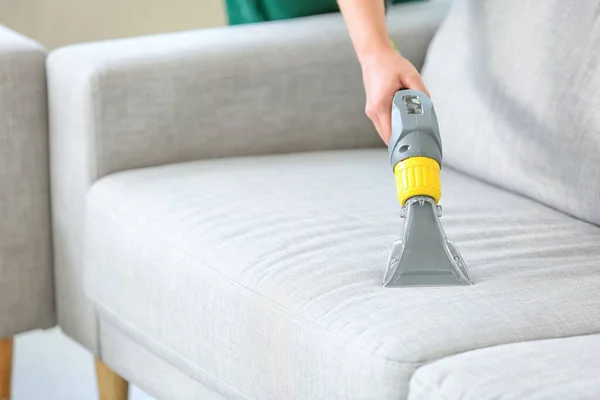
(384, 73)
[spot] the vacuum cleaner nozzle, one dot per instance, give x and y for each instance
(422, 256)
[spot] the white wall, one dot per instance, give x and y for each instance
(56, 23)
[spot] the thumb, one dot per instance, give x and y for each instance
(415, 82)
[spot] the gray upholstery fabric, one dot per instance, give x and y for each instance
(566, 369)
(26, 294)
(517, 99)
(260, 276)
(272, 88)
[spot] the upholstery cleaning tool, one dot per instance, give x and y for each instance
(422, 256)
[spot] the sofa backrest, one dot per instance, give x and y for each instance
(26, 274)
(516, 85)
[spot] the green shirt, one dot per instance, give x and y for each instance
(249, 11)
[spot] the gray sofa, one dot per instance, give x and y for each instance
(26, 290)
(223, 211)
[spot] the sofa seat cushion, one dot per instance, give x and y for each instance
(261, 276)
(564, 368)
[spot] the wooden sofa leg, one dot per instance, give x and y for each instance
(6, 360)
(110, 385)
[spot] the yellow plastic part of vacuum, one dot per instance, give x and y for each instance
(418, 176)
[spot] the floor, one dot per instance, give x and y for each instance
(50, 366)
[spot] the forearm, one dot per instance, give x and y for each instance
(366, 23)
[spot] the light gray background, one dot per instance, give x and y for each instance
(50, 366)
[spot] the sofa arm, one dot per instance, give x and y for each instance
(253, 89)
(26, 289)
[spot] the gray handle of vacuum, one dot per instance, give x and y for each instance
(415, 130)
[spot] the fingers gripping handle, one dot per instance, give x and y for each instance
(415, 147)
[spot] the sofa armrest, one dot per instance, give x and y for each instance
(26, 290)
(277, 87)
